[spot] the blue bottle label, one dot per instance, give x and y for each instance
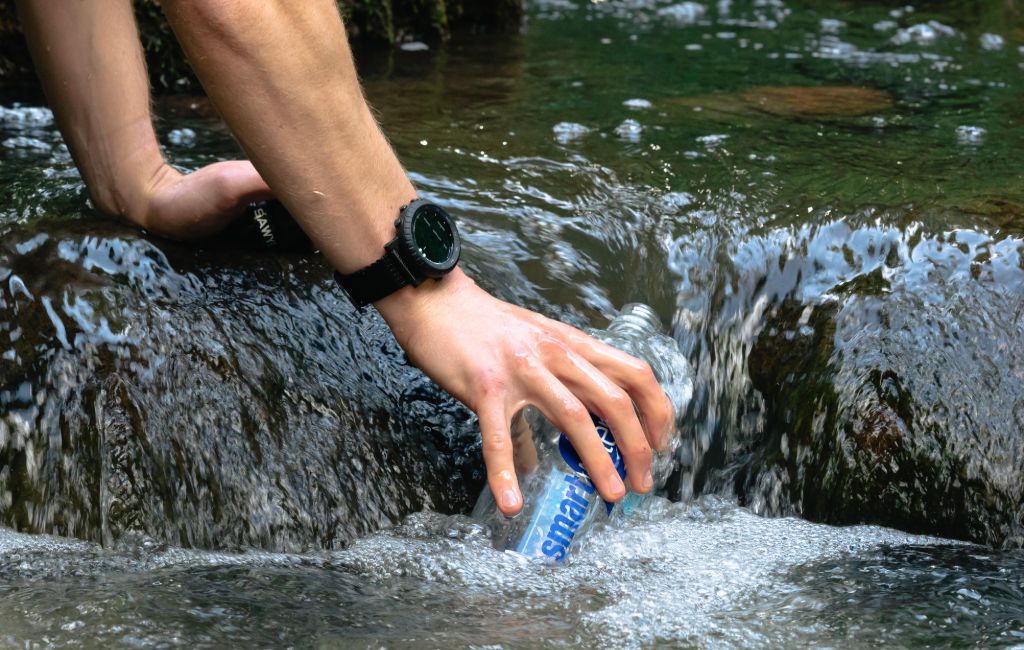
(564, 501)
(572, 459)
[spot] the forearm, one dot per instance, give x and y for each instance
(282, 75)
(90, 63)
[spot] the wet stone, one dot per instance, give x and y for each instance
(894, 404)
(795, 102)
(150, 393)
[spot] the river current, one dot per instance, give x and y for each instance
(207, 445)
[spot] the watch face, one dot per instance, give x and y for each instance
(432, 234)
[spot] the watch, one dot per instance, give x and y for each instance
(427, 247)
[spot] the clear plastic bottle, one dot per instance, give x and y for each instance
(560, 501)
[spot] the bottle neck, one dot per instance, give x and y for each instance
(636, 320)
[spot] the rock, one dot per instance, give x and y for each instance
(794, 102)
(817, 101)
(166, 391)
(899, 400)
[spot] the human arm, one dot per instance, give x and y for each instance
(282, 76)
(89, 59)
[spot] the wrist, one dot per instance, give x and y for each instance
(121, 182)
(408, 306)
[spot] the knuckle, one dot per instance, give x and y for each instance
(499, 475)
(663, 408)
(553, 347)
(487, 384)
(620, 401)
(575, 411)
(495, 442)
(638, 451)
(643, 373)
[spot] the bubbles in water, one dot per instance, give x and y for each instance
(970, 135)
(26, 116)
(923, 33)
(182, 137)
(629, 130)
(684, 13)
(713, 140)
(676, 200)
(637, 103)
(992, 42)
(26, 143)
(671, 574)
(566, 132)
(831, 25)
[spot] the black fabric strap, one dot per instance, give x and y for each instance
(371, 283)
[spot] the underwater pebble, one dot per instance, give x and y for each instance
(885, 25)
(629, 130)
(182, 137)
(568, 131)
(21, 142)
(637, 103)
(684, 13)
(970, 134)
(414, 46)
(992, 42)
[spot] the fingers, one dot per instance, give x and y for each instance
(567, 412)
(608, 400)
(204, 202)
(497, 449)
(233, 184)
(634, 376)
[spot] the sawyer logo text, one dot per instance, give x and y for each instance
(262, 220)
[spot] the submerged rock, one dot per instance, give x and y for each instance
(892, 384)
(799, 102)
(213, 400)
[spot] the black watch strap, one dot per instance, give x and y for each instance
(382, 278)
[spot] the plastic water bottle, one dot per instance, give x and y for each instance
(560, 502)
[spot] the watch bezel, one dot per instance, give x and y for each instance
(411, 254)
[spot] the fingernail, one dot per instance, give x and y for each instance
(648, 482)
(510, 499)
(618, 488)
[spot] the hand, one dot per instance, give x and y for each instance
(199, 204)
(497, 358)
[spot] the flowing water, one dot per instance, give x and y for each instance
(207, 445)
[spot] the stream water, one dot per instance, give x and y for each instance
(208, 446)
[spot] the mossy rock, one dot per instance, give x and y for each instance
(369, 22)
(893, 409)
